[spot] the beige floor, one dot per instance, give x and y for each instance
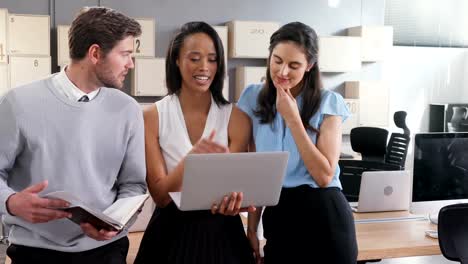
(135, 239)
(2, 253)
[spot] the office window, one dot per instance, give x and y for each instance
(431, 23)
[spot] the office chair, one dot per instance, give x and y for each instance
(371, 142)
(452, 229)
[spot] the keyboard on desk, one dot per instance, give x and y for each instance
(392, 219)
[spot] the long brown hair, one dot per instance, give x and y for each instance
(306, 38)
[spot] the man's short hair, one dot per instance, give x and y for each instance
(102, 26)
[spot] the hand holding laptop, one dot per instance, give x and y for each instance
(207, 178)
(232, 205)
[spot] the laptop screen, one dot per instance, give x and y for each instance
(440, 167)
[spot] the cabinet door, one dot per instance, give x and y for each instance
(339, 54)
(63, 55)
(149, 77)
(3, 35)
(23, 70)
(248, 75)
(223, 35)
(4, 85)
(250, 39)
(144, 45)
(376, 41)
(29, 34)
(353, 120)
(226, 88)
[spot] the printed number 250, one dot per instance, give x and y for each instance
(257, 31)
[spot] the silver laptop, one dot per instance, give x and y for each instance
(209, 177)
(384, 191)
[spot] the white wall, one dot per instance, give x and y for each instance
(465, 75)
(419, 76)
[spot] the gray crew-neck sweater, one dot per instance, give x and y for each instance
(94, 150)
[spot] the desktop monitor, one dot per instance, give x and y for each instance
(440, 172)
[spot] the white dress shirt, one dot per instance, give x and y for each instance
(67, 88)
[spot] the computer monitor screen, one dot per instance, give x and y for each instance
(440, 167)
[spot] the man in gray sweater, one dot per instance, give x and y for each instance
(73, 131)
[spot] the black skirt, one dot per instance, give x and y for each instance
(183, 237)
(310, 225)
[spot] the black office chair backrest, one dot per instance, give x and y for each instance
(398, 144)
(452, 229)
(371, 142)
(397, 149)
(399, 118)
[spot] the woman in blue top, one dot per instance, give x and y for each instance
(291, 112)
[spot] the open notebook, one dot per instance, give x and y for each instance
(116, 217)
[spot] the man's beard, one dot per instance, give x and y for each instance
(107, 78)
